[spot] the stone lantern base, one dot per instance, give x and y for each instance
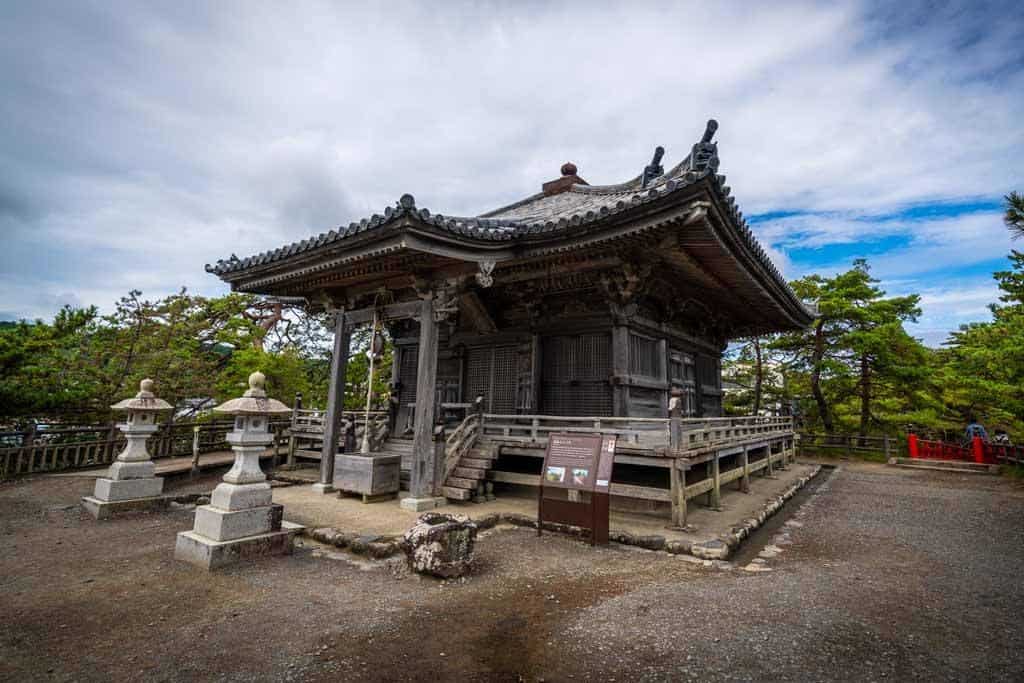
(207, 553)
(105, 509)
(240, 522)
(116, 496)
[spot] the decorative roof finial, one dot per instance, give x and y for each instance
(709, 132)
(704, 155)
(654, 169)
(569, 168)
(407, 201)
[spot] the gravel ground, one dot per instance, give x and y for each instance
(882, 574)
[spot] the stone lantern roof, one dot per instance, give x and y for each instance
(254, 401)
(144, 401)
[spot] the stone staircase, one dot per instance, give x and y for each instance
(470, 472)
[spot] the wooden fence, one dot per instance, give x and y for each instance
(47, 448)
(879, 447)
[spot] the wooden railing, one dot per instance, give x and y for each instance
(700, 434)
(977, 451)
(48, 449)
(695, 434)
(459, 442)
(641, 432)
(306, 432)
(879, 447)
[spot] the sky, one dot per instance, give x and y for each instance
(140, 141)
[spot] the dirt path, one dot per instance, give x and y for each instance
(885, 573)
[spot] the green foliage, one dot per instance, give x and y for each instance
(982, 369)
(856, 367)
(357, 372)
(193, 347)
(1014, 216)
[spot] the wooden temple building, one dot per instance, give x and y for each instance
(581, 307)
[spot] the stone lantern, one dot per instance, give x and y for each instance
(241, 520)
(131, 482)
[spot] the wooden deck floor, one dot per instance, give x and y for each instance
(171, 466)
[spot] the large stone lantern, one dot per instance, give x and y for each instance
(131, 482)
(241, 520)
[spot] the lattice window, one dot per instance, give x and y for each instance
(505, 376)
(478, 373)
(492, 371)
(575, 372)
(407, 373)
(643, 356)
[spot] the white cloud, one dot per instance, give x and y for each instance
(145, 141)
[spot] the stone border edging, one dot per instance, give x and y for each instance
(379, 547)
(721, 548)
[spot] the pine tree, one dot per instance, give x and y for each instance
(1014, 216)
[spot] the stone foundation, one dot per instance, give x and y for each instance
(209, 554)
(113, 490)
(103, 509)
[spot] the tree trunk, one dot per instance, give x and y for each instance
(816, 359)
(865, 395)
(758, 375)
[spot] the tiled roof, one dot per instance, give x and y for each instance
(538, 214)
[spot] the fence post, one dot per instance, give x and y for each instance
(111, 445)
(716, 491)
(195, 451)
(885, 444)
(978, 449)
(675, 424)
(912, 445)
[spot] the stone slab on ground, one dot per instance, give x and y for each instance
(104, 509)
(422, 504)
(113, 490)
(209, 554)
(945, 465)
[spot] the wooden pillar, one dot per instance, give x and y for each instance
(422, 482)
(535, 373)
(745, 479)
(335, 403)
(677, 480)
(768, 464)
(716, 476)
(620, 370)
(675, 423)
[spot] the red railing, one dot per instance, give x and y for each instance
(980, 451)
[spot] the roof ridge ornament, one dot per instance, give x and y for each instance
(654, 169)
(704, 155)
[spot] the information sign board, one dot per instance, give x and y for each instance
(578, 462)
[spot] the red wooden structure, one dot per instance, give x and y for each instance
(980, 451)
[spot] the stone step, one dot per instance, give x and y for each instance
(470, 473)
(456, 494)
(404, 447)
(944, 466)
(461, 483)
(476, 463)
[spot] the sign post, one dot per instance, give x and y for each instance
(583, 463)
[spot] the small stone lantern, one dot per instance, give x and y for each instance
(241, 520)
(131, 482)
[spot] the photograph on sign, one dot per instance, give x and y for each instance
(579, 476)
(555, 475)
